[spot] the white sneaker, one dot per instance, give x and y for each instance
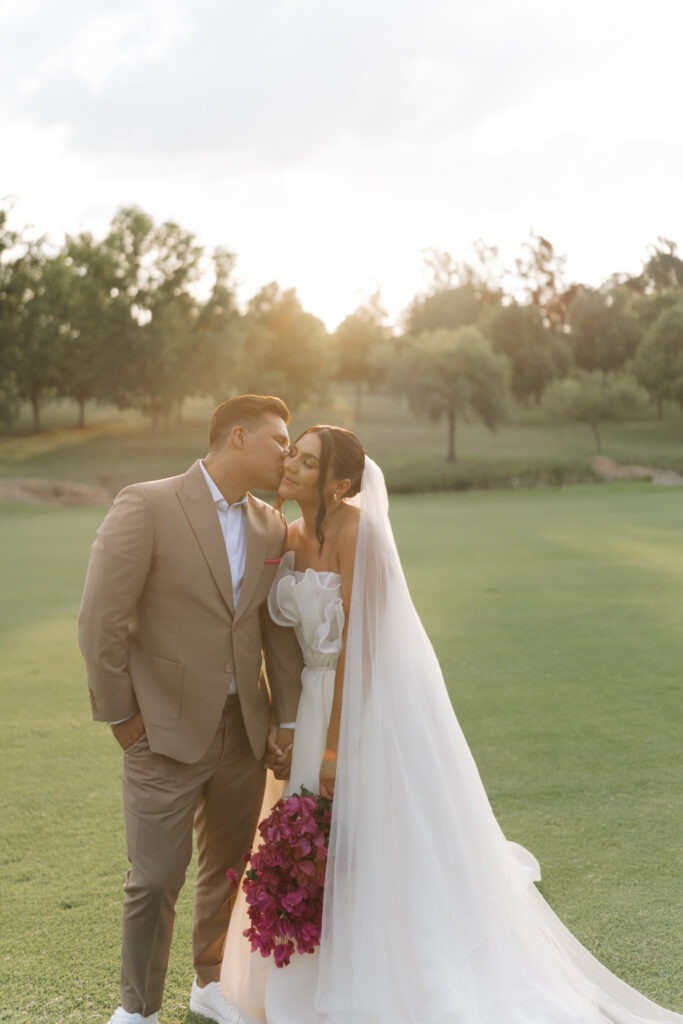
(210, 1002)
(121, 1016)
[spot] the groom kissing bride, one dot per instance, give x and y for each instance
(430, 916)
(174, 632)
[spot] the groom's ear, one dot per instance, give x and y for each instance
(238, 436)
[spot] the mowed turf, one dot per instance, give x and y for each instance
(557, 616)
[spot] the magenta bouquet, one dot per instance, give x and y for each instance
(285, 877)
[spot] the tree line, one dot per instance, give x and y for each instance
(118, 319)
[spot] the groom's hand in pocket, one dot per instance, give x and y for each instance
(129, 732)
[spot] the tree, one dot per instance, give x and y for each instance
(449, 308)
(541, 274)
(593, 397)
(219, 335)
(537, 354)
(647, 308)
(100, 319)
(10, 301)
(658, 363)
(37, 323)
(460, 293)
(359, 345)
(285, 347)
(662, 270)
(156, 268)
(604, 328)
(483, 271)
(455, 375)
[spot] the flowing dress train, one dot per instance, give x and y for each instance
(431, 915)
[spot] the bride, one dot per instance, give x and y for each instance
(430, 915)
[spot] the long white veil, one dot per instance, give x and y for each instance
(430, 914)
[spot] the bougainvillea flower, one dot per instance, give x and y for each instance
(285, 878)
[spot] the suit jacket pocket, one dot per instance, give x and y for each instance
(158, 685)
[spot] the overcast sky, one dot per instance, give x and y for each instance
(329, 143)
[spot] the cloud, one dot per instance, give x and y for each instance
(299, 132)
(276, 82)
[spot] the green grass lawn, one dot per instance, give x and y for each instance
(557, 618)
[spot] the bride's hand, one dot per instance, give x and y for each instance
(279, 752)
(328, 774)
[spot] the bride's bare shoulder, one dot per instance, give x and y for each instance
(351, 518)
(348, 528)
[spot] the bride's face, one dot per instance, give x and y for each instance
(301, 471)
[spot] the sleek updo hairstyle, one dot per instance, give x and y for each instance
(242, 411)
(343, 454)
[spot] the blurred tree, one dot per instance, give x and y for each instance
(285, 349)
(449, 308)
(454, 375)
(219, 335)
(541, 275)
(460, 291)
(662, 270)
(604, 328)
(10, 301)
(36, 322)
(593, 397)
(537, 354)
(647, 308)
(483, 271)
(658, 362)
(156, 267)
(360, 348)
(443, 269)
(100, 319)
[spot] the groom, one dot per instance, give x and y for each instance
(173, 627)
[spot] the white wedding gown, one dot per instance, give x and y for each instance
(435, 920)
(311, 603)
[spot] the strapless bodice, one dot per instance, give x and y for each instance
(310, 601)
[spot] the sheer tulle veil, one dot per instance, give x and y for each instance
(431, 915)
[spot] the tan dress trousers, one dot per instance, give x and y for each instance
(221, 795)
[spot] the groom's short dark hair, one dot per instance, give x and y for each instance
(242, 411)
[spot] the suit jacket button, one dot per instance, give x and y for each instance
(228, 668)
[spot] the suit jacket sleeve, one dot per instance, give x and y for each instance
(120, 561)
(284, 664)
(284, 661)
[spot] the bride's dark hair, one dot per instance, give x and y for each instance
(341, 451)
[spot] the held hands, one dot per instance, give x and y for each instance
(129, 732)
(279, 751)
(328, 774)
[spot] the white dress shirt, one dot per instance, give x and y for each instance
(231, 518)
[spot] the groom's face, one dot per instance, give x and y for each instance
(265, 448)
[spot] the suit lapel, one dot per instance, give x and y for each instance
(203, 519)
(257, 543)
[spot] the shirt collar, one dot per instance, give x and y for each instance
(215, 493)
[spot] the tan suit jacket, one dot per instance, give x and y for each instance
(158, 628)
